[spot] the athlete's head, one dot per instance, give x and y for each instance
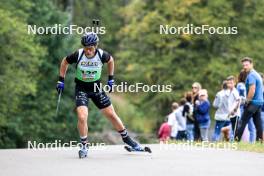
(90, 41)
(247, 63)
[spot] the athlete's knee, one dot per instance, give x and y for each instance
(82, 118)
(82, 113)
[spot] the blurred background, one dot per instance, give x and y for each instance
(29, 63)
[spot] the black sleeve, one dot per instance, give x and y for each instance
(72, 58)
(105, 57)
(186, 110)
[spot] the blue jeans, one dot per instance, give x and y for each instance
(190, 132)
(251, 127)
(219, 124)
(181, 135)
(262, 118)
(204, 133)
(252, 131)
(204, 128)
(251, 111)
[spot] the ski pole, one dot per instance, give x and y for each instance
(58, 103)
(238, 106)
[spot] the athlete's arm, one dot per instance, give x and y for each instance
(63, 67)
(70, 59)
(111, 66)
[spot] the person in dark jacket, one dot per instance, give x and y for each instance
(188, 113)
(202, 110)
(196, 87)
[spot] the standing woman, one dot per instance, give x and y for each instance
(188, 113)
(196, 87)
(202, 110)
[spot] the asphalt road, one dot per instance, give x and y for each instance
(114, 160)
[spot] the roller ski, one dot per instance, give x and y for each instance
(137, 149)
(83, 153)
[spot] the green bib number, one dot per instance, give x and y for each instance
(89, 69)
(88, 75)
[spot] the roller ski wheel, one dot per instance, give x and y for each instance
(145, 149)
(82, 153)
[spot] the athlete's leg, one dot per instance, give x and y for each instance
(102, 101)
(111, 115)
(82, 113)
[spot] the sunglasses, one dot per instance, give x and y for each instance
(89, 47)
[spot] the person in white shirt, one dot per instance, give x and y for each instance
(221, 114)
(172, 120)
(233, 103)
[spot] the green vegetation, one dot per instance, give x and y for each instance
(29, 63)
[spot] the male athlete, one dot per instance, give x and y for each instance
(89, 61)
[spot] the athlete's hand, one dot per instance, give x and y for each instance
(111, 82)
(60, 85)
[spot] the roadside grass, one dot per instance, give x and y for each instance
(256, 147)
(235, 146)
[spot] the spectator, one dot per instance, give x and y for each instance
(233, 103)
(164, 131)
(181, 135)
(254, 101)
(241, 87)
(202, 108)
(188, 113)
(172, 120)
(226, 133)
(221, 114)
(196, 87)
(262, 109)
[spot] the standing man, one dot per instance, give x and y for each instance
(254, 101)
(89, 61)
